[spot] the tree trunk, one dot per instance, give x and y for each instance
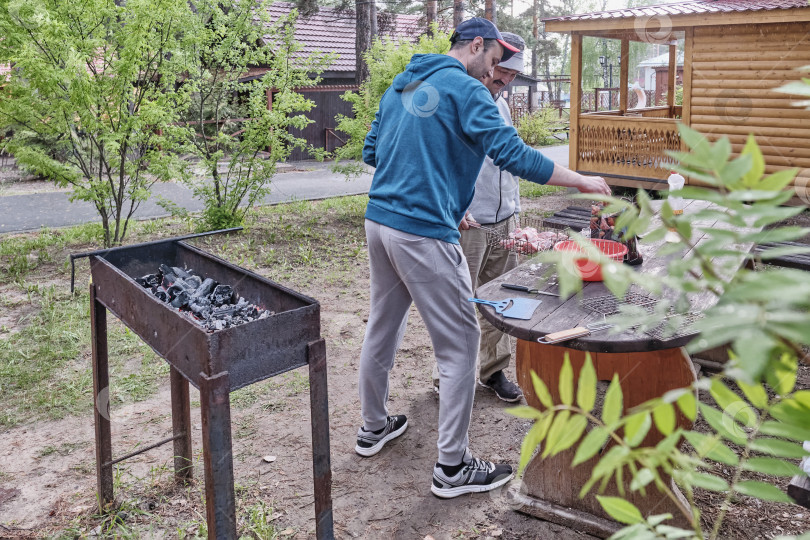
(535, 34)
(362, 42)
(491, 11)
(374, 30)
(430, 15)
(458, 12)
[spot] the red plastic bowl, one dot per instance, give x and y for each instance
(592, 270)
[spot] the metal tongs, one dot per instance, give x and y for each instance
(525, 289)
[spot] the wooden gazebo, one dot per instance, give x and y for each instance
(735, 53)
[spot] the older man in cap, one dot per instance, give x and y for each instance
(496, 201)
(434, 126)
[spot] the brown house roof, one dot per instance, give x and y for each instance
(688, 13)
(333, 31)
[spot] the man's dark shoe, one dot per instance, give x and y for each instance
(371, 442)
(475, 476)
(503, 387)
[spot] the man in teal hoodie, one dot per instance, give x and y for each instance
(428, 140)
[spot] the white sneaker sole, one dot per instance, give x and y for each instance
(449, 493)
(371, 450)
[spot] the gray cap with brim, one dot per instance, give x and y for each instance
(516, 60)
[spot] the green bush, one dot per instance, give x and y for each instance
(536, 128)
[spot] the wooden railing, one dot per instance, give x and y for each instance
(657, 112)
(627, 146)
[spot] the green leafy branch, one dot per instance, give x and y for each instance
(758, 419)
(767, 430)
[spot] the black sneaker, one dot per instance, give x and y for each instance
(476, 476)
(503, 387)
(370, 442)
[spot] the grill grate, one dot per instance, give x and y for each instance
(675, 326)
(610, 305)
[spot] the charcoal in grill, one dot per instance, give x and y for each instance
(148, 281)
(210, 304)
(200, 307)
(181, 273)
(161, 295)
(223, 294)
(181, 299)
(193, 282)
(205, 288)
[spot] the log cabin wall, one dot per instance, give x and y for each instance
(734, 69)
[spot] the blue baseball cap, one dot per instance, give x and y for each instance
(478, 27)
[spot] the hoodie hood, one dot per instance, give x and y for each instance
(423, 66)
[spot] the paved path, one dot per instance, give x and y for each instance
(33, 211)
(309, 180)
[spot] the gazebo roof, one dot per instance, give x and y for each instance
(685, 14)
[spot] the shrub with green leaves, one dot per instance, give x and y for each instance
(536, 129)
(765, 316)
(386, 60)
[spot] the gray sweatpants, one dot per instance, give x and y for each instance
(432, 274)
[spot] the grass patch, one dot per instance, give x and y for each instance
(530, 190)
(250, 395)
(295, 382)
(39, 371)
(63, 449)
(20, 254)
(45, 367)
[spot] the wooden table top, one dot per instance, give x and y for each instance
(555, 314)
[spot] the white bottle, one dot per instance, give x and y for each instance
(676, 182)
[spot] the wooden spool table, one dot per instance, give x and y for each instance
(647, 368)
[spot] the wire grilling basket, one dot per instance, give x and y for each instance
(531, 236)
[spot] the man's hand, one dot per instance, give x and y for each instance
(467, 222)
(593, 184)
(586, 184)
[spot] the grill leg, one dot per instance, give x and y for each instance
(101, 400)
(321, 461)
(181, 423)
(220, 500)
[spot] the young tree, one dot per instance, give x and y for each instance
(386, 60)
(236, 135)
(91, 100)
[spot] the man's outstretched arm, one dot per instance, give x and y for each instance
(586, 184)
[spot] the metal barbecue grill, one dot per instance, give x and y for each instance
(216, 362)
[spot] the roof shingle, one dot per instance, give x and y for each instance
(688, 7)
(332, 31)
